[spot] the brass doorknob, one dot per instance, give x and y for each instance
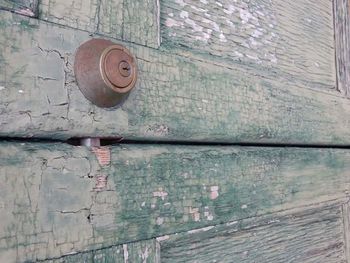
(105, 72)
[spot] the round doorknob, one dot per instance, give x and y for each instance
(105, 72)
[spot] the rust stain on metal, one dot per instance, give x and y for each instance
(105, 72)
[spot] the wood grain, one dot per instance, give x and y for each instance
(346, 229)
(314, 235)
(176, 98)
(134, 21)
(22, 7)
(57, 199)
(342, 42)
(142, 251)
(284, 39)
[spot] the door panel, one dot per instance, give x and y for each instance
(314, 235)
(291, 40)
(58, 199)
(176, 98)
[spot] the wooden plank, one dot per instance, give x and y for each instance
(135, 21)
(346, 229)
(57, 199)
(285, 39)
(176, 98)
(342, 42)
(23, 7)
(143, 251)
(314, 235)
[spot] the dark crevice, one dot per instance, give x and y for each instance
(117, 141)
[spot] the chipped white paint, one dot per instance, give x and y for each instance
(170, 22)
(20, 91)
(184, 14)
(161, 194)
(196, 216)
(208, 216)
(245, 15)
(214, 192)
(232, 223)
(2, 88)
(126, 253)
(195, 27)
(180, 2)
(244, 206)
(204, 26)
(162, 238)
(204, 229)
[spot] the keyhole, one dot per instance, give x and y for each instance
(124, 69)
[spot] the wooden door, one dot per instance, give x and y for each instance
(233, 146)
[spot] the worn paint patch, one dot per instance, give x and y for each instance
(194, 212)
(101, 182)
(126, 253)
(162, 194)
(103, 155)
(214, 192)
(270, 34)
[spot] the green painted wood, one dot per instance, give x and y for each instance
(23, 7)
(57, 199)
(342, 42)
(143, 251)
(287, 40)
(135, 21)
(176, 98)
(141, 22)
(346, 223)
(314, 235)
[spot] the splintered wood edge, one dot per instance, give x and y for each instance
(342, 44)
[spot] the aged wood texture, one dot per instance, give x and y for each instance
(135, 21)
(23, 7)
(176, 98)
(314, 235)
(342, 42)
(284, 39)
(346, 223)
(143, 251)
(57, 199)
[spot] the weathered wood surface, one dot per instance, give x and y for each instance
(57, 199)
(284, 39)
(136, 21)
(314, 235)
(342, 44)
(346, 223)
(23, 7)
(176, 98)
(145, 251)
